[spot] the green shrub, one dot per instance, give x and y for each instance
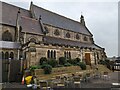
(34, 67)
(44, 65)
(67, 64)
(76, 61)
(102, 62)
(53, 62)
(71, 61)
(82, 65)
(43, 60)
(62, 60)
(47, 69)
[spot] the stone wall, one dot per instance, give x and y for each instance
(62, 32)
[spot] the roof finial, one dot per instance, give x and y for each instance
(31, 2)
(40, 17)
(19, 10)
(82, 21)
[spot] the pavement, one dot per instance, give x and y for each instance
(93, 83)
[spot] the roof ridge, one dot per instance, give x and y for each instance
(58, 14)
(15, 6)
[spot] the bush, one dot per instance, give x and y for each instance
(44, 65)
(53, 62)
(62, 60)
(76, 61)
(67, 64)
(43, 60)
(82, 65)
(34, 67)
(70, 61)
(47, 69)
(102, 62)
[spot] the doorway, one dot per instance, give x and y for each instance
(87, 58)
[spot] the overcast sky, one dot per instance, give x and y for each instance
(101, 18)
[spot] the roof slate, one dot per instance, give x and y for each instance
(9, 13)
(10, 45)
(53, 40)
(30, 25)
(57, 20)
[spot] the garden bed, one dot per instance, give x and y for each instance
(56, 71)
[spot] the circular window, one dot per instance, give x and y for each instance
(56, 32)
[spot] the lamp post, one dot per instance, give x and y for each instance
(9, 62)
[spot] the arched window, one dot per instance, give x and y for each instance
(85, 38)
(69, 55)
(68, 35)
(33, 40)
(77, 36)
(65, 54)
(7, 36)
(56, 32)
(48, 54)
(12, 55)
(54, 54)
(46, 29)
(6, 55)
(3, 55)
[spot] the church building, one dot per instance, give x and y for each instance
(31, 34)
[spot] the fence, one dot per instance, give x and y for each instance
(116, 66)
(10, 70)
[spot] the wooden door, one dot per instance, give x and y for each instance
(87, 58)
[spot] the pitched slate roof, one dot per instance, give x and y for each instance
(30, 25)
(57, 20)
(9, 45)
(9, 13)
(53, 40)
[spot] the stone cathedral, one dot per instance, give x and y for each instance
(37, 32)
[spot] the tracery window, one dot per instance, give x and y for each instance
(46, 29)
(85, 38)
(68, 35)
(7, 36)
(56, 32)
(77, 36)
(33, 40)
